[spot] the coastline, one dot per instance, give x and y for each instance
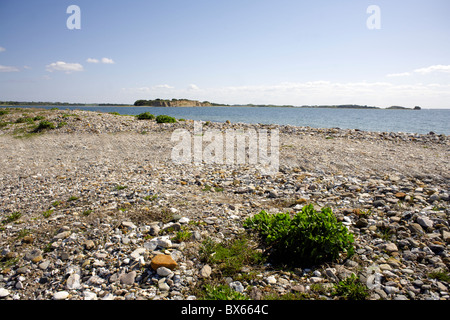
(126, 186)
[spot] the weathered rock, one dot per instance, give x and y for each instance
(128, 278)
(425, 222)
(205, 272)
(163, 260)
(60, 295)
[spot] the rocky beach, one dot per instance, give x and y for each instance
(92, 207)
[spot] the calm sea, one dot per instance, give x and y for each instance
(381, 120)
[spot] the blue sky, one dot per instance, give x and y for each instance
(247, 51)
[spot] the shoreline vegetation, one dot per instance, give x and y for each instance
(194, 103)
(92, 207)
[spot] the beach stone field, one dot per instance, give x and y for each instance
(92, 207)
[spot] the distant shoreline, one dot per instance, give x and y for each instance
(355, 107)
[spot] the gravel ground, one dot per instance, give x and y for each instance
(87, 209)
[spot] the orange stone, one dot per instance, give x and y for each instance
(163, 260)
(400, 195)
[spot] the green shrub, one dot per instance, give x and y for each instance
(25, 120)
(145, 116)
(3, 112)
(351, 289)
(44, 125)
(310, 237)
(165, 119)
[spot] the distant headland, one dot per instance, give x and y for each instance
(194, 103)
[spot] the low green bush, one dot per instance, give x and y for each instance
(309, 237)
(351, 289)
(44, 125)
(145, 116)
(165, 119)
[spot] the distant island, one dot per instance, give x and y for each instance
(174, 103)
(194, 103)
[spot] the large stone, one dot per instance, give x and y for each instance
(425, 222)
(60, 295)
(163, 260)
(446, 236)
(128, 278)
(416, 228)
(205, 272)
(73, 282)
(163, 271)
(34, 255)
(3, 293)
(390, 247)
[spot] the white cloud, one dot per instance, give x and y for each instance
(402, 74)
(2, 49)
(107, 61)
(8, 69)
(163, 86)
(422, 71)
(91, 60)
(435, 68)
(193, 87)
(64, 66)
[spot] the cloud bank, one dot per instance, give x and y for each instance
(64, 66)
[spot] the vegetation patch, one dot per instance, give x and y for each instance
(44, 125)
(351, 289)
(221, 292)
(310, 237)
(145, 116)
(165, 119)
(230, 256)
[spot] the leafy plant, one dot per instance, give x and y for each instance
(151, 197)
(222, 292)
(182, 235)
(145, 116)
(47, 213)
(12, 217)
(165, 119)
(310, 237)
(87, 212)
(351, 289)
(440, 275)
(25, 120)
(73, 198)
(43, 125)
(230, 255)
(119, 187)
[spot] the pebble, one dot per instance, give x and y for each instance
(205, 272)
(128, 278)
(4, 292)
(60, 295)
